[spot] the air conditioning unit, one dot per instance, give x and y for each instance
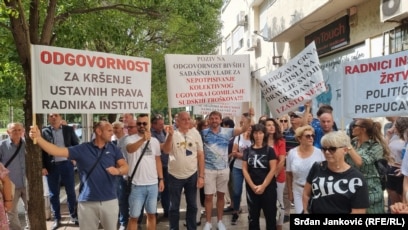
(393, 10)
(252, 42)
(241, 18)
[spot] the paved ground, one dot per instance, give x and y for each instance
(163, 223)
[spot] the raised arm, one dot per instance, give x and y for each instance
(133, 147)
(166, 146)
(50, 148)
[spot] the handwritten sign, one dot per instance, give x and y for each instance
(293, 84)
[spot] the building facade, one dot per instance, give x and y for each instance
(274, 31)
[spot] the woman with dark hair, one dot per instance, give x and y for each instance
(369, 146)
(333, 186)
(277, 142)
(259, 168)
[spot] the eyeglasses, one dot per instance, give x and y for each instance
(141, 123)
(130, 127)
(309, 136)
(355, 125)
(283, 121)
(331, 149)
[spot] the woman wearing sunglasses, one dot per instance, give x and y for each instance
(298, 163)
(368, 147)
(333, 186)
(284, 122)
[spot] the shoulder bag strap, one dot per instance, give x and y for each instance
(138, 161)
(15, 154)
(90, 171)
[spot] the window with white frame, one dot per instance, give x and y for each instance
(238, 38)
(228, 43)
(395, 40)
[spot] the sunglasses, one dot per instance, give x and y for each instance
(355, 125)
(309, 136)
(141, 123)
(283, 121)
(294, 116)
(331, 149)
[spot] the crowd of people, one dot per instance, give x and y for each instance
(297, 159)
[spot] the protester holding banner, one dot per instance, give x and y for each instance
(259, 169)
(97, 201)
(186, 169)
(216, 140)
(368, 147)
(298, 163)
(277, 142)
(148, 178)
(333, 186)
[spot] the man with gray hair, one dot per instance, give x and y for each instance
(12, 155)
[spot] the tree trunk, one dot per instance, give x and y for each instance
(36, 209)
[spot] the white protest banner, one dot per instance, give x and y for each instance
(293, 84)
(79, 81)
(226, 109)
(376, 87)
(207, 79)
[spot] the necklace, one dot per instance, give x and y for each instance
(339, 168)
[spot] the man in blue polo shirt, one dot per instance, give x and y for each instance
(98, 162)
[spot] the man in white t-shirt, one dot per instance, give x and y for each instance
(148, 174)
(186, 169)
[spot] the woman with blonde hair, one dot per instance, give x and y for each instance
(6, 199)
(298, 163)
(368, 147)
(333, 186)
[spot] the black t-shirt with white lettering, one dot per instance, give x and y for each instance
(258, 163)
(334, 192)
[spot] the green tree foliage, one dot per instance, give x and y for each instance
(147, 28)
